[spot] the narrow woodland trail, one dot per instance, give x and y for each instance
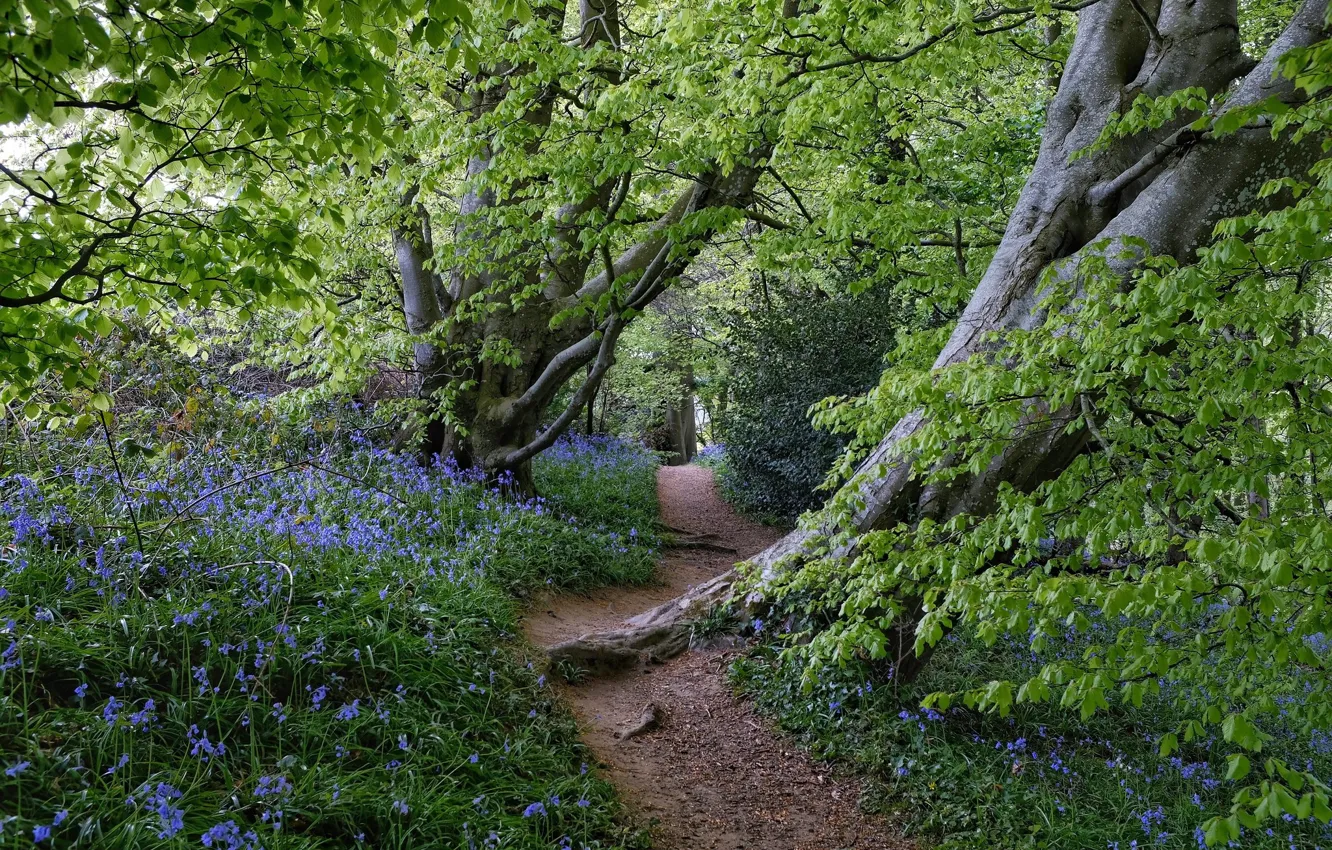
(710, 774)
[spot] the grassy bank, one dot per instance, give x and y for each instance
(1039, 778)
(296, 650)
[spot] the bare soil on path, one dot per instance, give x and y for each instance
(712, 774)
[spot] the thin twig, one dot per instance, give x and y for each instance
(1091, 425)
(120, 477)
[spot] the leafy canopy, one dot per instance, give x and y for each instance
(163, 156)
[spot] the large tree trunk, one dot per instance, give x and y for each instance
(1160, 187)
(485, 412)
(499, 406)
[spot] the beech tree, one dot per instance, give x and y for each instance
(564, 185)
(1129, 419)
(555, 247)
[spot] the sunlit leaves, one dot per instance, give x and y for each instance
(162, 157)
(1186, 545)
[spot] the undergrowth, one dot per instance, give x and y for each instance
(1039, 778)
(294, 649)
(605, 482)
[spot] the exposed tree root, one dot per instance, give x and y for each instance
(664, 632)
(647, 721)
(697, 541)
(655, 635)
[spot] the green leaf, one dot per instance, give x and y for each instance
(1238, 730)
(67, 37)
(1237, 767)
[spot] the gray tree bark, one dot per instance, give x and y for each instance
(496, 409)
(1162, 187)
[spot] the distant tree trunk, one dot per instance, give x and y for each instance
(683, 430)
(591, 409)
(681, 419)
(605, 403)
(689, 413)
(689, 434)
(1163, 187)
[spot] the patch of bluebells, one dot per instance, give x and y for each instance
(607, 484)
(160, 798)
(229, 836)
(215, 650)
(712, 454)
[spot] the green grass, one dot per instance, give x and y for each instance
(603, 481)
(301, 660)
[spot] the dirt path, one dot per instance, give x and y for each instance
(713, 775)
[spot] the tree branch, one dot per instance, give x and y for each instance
(564, 364)
(547, 438)
(1152, 32)
(1106, 191)
(641, 255)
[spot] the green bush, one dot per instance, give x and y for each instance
(802, 348)
(1037, 778)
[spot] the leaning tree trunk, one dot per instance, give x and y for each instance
(1159, 187)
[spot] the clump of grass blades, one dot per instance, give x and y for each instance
(320, 657)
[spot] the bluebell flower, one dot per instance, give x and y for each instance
(160, 799)
(273, 786)
(228, 836)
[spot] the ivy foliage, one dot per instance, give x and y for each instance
(796, 346)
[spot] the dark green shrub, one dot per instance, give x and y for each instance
(800, 347)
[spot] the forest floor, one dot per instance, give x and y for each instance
(712, 774)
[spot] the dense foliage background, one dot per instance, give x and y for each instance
(797, 346)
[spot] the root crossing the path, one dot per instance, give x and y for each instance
(692, 759)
